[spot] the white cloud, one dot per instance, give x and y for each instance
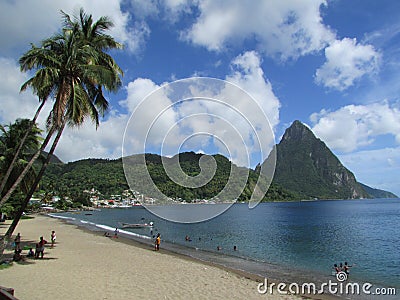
(224, 117)
(87, 142)
(376, 168)
(30, 21)
(346, 62)
(286, 29)
(169, 10)
(148, 122)
(354, 126)
(174, 8)
(144, 8)
(13, 103)
(229, 125)
(249, 75)
(138, 90)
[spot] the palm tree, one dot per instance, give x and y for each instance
(92, 42)
(17, 150)
(74, 70)
(10, 140)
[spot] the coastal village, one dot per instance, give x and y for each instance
(126, 199)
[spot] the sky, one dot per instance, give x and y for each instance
(333, 65)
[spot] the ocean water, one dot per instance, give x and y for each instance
(286, 241)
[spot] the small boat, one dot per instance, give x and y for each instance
(137, 225)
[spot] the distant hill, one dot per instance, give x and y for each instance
(107, 176)
(307, 166)
(377, 193)
(53, 159)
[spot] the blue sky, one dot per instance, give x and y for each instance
(334, 65)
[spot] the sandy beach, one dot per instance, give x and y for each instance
(86, 265)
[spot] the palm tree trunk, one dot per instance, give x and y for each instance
(27, 167)
(21, 144)
(34, 186)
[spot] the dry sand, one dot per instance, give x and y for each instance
(85, 265)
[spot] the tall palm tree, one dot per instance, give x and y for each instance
(10, 139)
(93, 42)
(74, 70)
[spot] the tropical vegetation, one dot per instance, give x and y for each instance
(11, 137)
(108, 178)
(72, 68)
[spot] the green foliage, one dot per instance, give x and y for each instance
(10, 139)
(107, 177)
(8, 209)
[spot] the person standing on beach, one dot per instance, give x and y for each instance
(157, 242)
(53, 238)
(17, 242)
(40, 247)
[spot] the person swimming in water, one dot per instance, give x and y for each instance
(336, 268)
(346, 268)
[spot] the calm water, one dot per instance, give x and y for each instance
(308, 237)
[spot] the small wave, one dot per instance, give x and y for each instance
(135, 234)
(105, 227)
(61, 217)
(109, 228)
(87, 222)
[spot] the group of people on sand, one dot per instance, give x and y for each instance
(39, 247)
(342, 268)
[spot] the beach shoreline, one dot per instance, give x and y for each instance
(177, 274)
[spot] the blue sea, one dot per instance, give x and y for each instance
(286, 240)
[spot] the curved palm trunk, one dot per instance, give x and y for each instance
(21, 144)
(28, 196)
(27, 168)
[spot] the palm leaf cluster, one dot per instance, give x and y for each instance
(72, 67)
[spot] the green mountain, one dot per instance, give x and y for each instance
(108, 178)
(72, 179)
(377, 193)
(306, 165)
